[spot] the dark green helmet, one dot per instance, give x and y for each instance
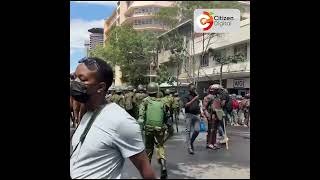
(130, 88)
(118, 90)
(152, 88)
(167, 92)
(140, 88)
(159, 94)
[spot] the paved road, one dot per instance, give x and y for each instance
(205, 163)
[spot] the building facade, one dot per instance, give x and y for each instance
(96, 37)
(86, 47)
(139, 14)
(236, 77)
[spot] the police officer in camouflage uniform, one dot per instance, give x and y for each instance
(118, 97)
(137, 99)
(213, 110)
(176, 107)
(169, 101)
(110, 94)
(128, 99)
(153, 117)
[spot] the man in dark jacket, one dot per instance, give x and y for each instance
(192, 109)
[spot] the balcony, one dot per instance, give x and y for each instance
(155, 27)
(241, 69)
(140, 4)
(129, 19)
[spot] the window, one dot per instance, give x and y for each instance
(155, 21)
(219, 53)
(241, 49)
(137, 11)
(205, 61)
(156, 9)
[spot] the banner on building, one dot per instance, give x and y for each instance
(216, 20)
(238, 83)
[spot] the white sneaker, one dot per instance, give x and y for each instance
(245, 126)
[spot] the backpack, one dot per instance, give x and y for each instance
(203, 126)
(155, 113)
(215, 105)
(128, 101)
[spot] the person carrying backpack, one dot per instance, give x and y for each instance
(212, 109)
(153, 118)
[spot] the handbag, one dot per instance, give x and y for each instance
(202, 126)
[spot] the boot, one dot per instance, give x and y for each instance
(164, 174)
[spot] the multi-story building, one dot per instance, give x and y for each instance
(236, 77)
(86, 47)
(139, 14)
(96, 37)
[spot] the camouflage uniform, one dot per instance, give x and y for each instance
(168, 100)
(154, 132)
(128, 99)
(246, 104)
(137, 100)
(118, 98)
(214, 113)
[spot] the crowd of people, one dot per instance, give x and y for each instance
(138, 120)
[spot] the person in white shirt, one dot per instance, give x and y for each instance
(107, 134)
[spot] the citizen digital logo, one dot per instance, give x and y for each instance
(223, 18)
(216, 20)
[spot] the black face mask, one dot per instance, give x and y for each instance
(79, 91)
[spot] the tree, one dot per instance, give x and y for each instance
(163, 75)
(108, 53)
(225, 60)
(181, 12)
(134, 51)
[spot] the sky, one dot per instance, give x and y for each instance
(83, 16)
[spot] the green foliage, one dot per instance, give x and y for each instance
(183, 10)
(224, 60)
(163, 75)
(133, 51)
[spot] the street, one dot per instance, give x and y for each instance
(205, 163)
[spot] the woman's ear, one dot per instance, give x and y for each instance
(102, 87)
